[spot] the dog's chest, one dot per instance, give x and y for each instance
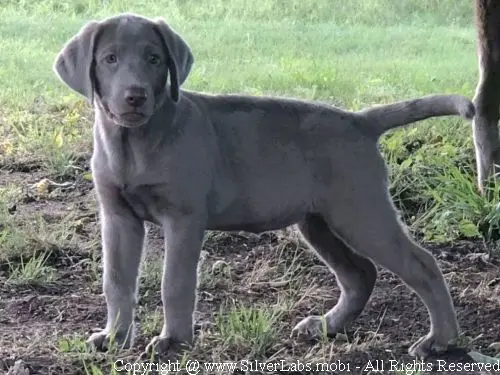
(130, 166)
(142, 181)
(149, 202)
(144, 185)
(128, 158)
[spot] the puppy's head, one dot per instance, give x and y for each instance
(122, 65)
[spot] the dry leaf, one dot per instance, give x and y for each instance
(42, 186)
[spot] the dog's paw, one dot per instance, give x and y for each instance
(164, 348)
(103, 341)
(311, 328)
(428, 346)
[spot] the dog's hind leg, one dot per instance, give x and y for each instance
(356, 276)
(365, 218)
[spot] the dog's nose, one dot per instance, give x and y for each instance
(135, 96)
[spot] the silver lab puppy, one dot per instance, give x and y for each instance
(192, 162)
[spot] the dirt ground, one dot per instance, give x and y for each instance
(33, 319)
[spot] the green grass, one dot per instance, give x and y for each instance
(28, 235)
(32, 271)
(348, 53)
(249, 330)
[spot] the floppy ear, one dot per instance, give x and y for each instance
(180, 58)
(73, 64)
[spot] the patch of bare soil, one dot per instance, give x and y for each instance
(34, 319)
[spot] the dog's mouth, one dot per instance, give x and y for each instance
(127, 119)
(132, 117)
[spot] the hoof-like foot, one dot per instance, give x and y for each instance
(428, 346)
(103, 340)
(311, 328)
(164, 348)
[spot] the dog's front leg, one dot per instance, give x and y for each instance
(183, 242)
(123, 236)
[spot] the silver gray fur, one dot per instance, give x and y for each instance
(190, 162)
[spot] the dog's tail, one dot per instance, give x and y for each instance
(382, 118)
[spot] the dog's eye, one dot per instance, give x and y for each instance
(153, 59)
(111, 58)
